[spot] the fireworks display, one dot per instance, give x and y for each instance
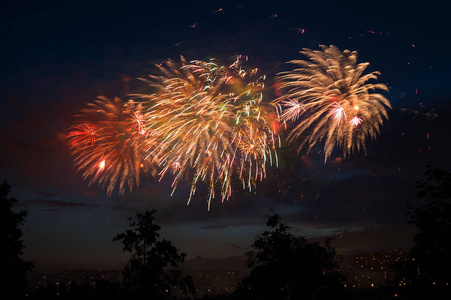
(204, 122)
(335, 104)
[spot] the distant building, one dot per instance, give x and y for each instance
(215, 282)
(207, 282)
(81, 276)
(375, 269)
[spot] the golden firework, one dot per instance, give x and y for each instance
(201, 114)
(335, 104)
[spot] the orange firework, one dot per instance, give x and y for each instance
(339, 105)
(82, 135)
(107, 144)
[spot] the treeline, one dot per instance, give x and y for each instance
(281, 264)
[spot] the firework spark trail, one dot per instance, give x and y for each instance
(82, 135)
(106, 144)
(292, 110)
(206, 117)
(339, 106)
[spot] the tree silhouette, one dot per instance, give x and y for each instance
(153, 267)
(432, 249)
(11, 249)
(286, 266)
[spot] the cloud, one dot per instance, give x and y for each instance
(224, 226)
(372, 239)
(46, 194)
(123, 207)
(57, 203)
(233, 245)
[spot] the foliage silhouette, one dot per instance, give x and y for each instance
(11, 250)
(152, 269)
(283, 265)
(431, 254)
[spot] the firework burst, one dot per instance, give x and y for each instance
(335, 104)
(106, 144)
(204, 116)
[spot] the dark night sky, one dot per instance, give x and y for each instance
(58, 55)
